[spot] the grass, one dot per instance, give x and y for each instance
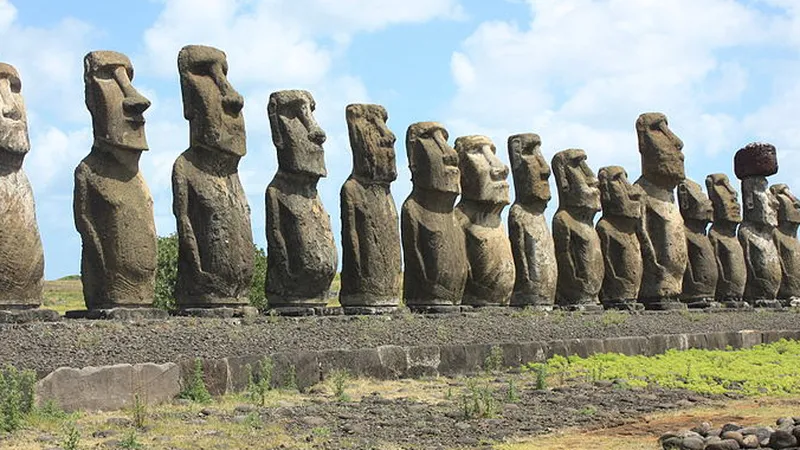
(769, 369)
(64, 294)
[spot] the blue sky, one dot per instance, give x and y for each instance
(578, 72)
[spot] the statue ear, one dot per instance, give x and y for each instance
(749, 202)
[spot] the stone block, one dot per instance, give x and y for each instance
(240, 369)
(750, 338)
(697, 340)
(532, 352)
(511, 355)
(556, 348)
(476, 355)
(109, 388)
(776, 335)
(585, 347)
(453, 360)
(359, 363)
(633, 345)
(422, 361)
(393, 359)
(660, 343)
(304, 367)
(216, 375)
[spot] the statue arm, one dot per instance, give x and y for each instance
(648, 249)
(276, 243)
(605, 245)
(520, 248)
(564, 256)
(83, 223)
(180, 208)
(350, 244)
(748, 261)
(411, 233)
(723, 274)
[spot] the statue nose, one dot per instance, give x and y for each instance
(317, 136)
(232, 103)
(135, 104)
(12, 111)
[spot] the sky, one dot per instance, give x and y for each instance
(577, 72)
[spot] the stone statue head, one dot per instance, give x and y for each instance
(617, 195)
(372, 143)
(577, 186)
(760, 205)
(115, 105)
(433, 163)
(483, 175)
(660, 149)
(210, 104)
(530, 169)
(296, 134)
(13, 120)
(788, 204)
(724, 198)
(694, 204)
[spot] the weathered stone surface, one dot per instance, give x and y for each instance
(21, 254)
(756, 235)
(731, 268)
(422, 361)
(434, 250)
(29, 315)
(782, 439)
(370, 231)
(112, 205)
(110, 387)
(121, 314)
(700, 279)
(484, 194)
(580, 260)
(622, 257)
(531, 241)
(786, 241)
(215, 254)
(755, 160)
(301, 253)
(216, 374)
(661, 232)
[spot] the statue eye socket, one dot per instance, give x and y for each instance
(105, 73)
(201, 68)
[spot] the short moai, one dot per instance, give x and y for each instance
(484, 194)
(661, 233)
(301, 253)
(21, 254)
(112, 204)
(531, 241)
(577, 245)
(731, 268)
(371, 272)
(215, 251)
(752, 165)
(788, 244)
(622, 257)
(700, 279)
(434, 251)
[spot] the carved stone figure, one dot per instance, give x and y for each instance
(112, 204)
(700, 279)
(215, 253)
(753, 164)
(21, 255)
(370, 231)
(661, 232)
(434, 252)
(731, 269)
(484, 194)
(622, 257)
(580, 260)
(531, 242)
(301, 253)
(787, 243)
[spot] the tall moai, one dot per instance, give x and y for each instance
(371, 272)
(112, 205)
(731, 268)
(700, 278)
(215, 251)
(301, 253)
(21, 254)
(752, 165)
(484, 194)
(661, 232)
(577, 245)
(788, 244)
(531, 242)
(434, 251)
(622, 254)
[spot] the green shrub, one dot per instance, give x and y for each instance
(195, 390)
(494, 361)
(72, 437)
(478, 402)
(339, 380)
(259, 383)
(16, 396)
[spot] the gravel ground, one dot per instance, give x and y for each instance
(79, 343)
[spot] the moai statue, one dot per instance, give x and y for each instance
(301, 253)
(531, 241)
(112, 204)
(661, 232)
(788, 245)
(580, 260)
(215, 253)
(753, 164)
(484, 194)
(731, 269)
(21, 254)
(371, 272)
(434, 251)
(700, 278)
(622, 257)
